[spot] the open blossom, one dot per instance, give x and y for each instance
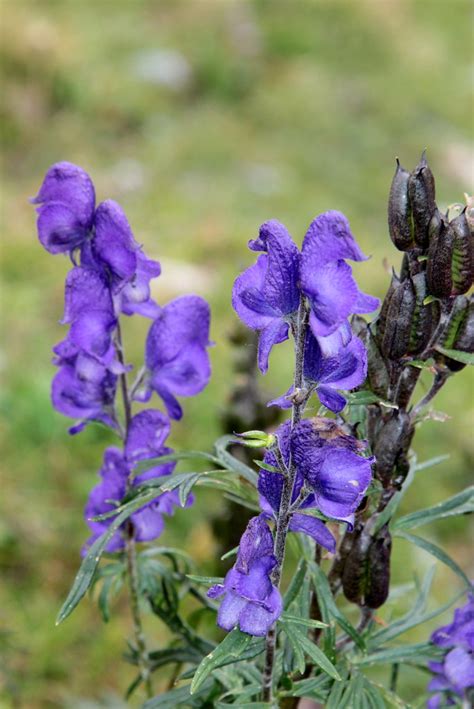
(250, 602)
(345, 368)
(146, 436)
(176, 354)
(326, 278)
(266, 295)
(454, 675)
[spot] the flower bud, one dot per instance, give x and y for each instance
(440, 257)
(462, 265)
(425, 317)
(421, 190)
(400, 220)
(397, 331)
(256, 439)
(378, 582)
(393, 441)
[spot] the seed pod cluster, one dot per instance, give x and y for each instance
(366, 574)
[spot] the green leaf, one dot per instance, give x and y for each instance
(365, 397)
(458, 504)
(231, 462)
(419, 654)
(230, 649)
(160, 658)
(143, 465)
(89, 564)
(302, 644)
(420, 363)
(179, 697)
(295, 583)
(314, 687)
(457, 355)
(323, 590)
(431, 462)
(186, 487)
(307, 622)
(205, 580)
(265, 466)
(436, 552)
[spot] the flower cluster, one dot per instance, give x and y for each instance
(267, 298)
(454, 676)
(111, 276)
(251, 601)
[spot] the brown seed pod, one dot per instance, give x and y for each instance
(400, 220)
(397, 331)
(440, 256)
(392, 442)
(378, 577)
(354, 575)
(421, 191)
(425, 316)
(462, 264)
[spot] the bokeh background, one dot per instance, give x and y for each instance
(203, 118)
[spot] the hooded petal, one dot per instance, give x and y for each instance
(92, 331)
(329, 238)
(352, 366)
(59, 228)
(256, 542)
(68, 183)
(340, 481)
(256, 619)
(315, 528)
(113, 242)
(270, 486)
(280, 287)
(229, 611)
(148, 523)
(271, 335)
(332, 291)
(248, 299)
(85, 290)
(146, 435)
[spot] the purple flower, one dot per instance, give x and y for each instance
(326, 278)
(344, 369)
(251, 602)
(455, 674)
(266, 295)
(270, 487)
(83, 388)
(176, 356)
(65, 214)
(327, 460)
(146, 435)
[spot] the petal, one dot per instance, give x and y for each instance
(135, 296)
(216, 591)
(257, 620)
(59, 229)
(248, 299)
(331, 344)
(341, 482)
(147, 433)
(91, 332)
(113, 242)
(283, 402)
(270, 486)
(332, 291)
(330, 398)
(271, 335)
(187, 374)
(85, 290)
(459, 668)
(173, 407)
(329, 238)
(70, 184)
(255, 585)
(315, 528)
(256, 542)
(281, 280)
(229, 610)
(366, 303)
(148, 523)
(352, 366)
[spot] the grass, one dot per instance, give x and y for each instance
(289, 108)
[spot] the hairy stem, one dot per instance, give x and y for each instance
(132, 568)
(284, 513)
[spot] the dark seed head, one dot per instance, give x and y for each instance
(400, 221)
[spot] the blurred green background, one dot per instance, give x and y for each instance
(204, 119)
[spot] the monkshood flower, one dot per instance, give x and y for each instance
(176, 354)
(68, 222)
(326, 278)
(270, 487)
(326, 374)
(83, 389)
(147, 434)
(266, 296)
(251, 602)
(454, 676)
(329, 463)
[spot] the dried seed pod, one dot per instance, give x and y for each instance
(450, 332)
(377, 373)
(392, 442)
(464, 340)
(397, 331)
(440, 257)
(378, 577)
(462, 265)
(425, 317)
(400, 220)
(421, 191)
(354, 575)
(381, 321)
(411, 264)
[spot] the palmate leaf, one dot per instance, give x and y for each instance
(437, 552)
(461, 503)
(89, 564)
(229, 650)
